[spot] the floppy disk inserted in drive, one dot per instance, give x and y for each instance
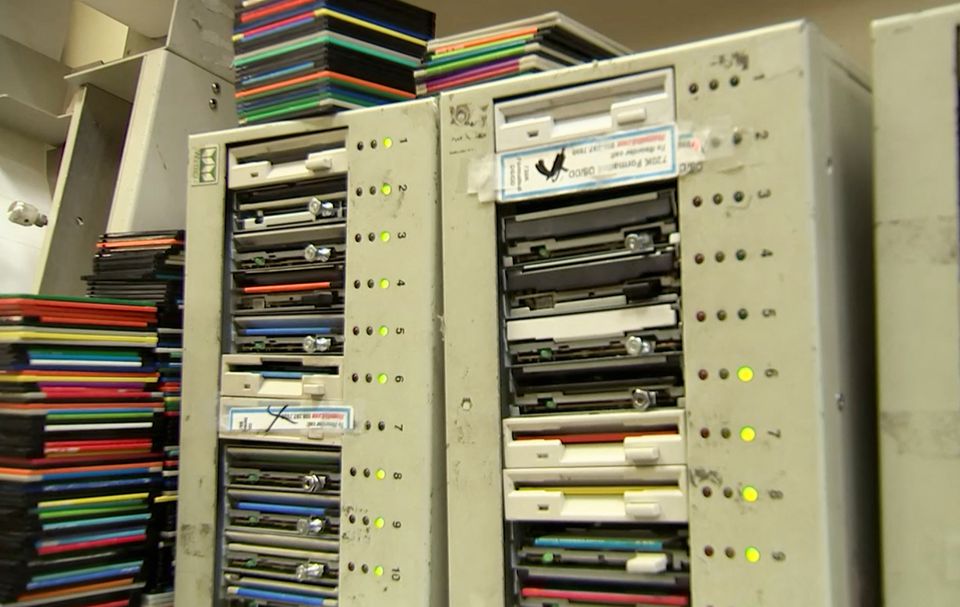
(602, 439)
(308, 377)
(610, 494)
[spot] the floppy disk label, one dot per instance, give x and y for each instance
(622, 158)
(285, 418)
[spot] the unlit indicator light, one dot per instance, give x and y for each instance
(381, 474)
(750, 494)
(752, 554)
(745, 374)
(748, 434)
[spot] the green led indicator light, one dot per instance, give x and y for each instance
(387, 142)
(379, 522)
(378, 571)
(383, 330)
(748, 434)
(382, 378)
(750, 494)
(381, 474)
(385, 236)
(752, 554)
(385, 189)
(384, 283)
(745, 374)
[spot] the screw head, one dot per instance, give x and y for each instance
(701, 316)
(636, 346)
(215, 87)
(643, 399)
(698, 258)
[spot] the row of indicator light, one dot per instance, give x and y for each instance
(372, 237)
(387, 144)
(748, 434)
(384, 283)
(749, 493)
(380, 378)
(377, 569)
(385, 188)
(744, 374)
(383, 330)
(751, 553)
(378, 522)
(378, 474)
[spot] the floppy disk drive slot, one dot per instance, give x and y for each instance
(282, 161)
(590, 273)
(589, 109)
(334, 233)
(631, 343)
(644, 291)
(629, 239)
(592, 325)
(253, 375)
(608, 494)
(653, 437)
(588, 218)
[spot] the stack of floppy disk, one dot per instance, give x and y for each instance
(538, 44)
(149, 266)
(298, 58)
(80, 460)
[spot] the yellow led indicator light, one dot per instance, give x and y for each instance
(379, 522)
(381, 474)
(747, 434)
(382, 378)
(385, 236)
(384, 283)
(750, 494)
(383, 330)
(378, 571)
(387, 142)
(745, 374)
(385, 189)
(752, 554)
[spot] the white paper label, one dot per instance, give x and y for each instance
(587, 164)
(284, 418)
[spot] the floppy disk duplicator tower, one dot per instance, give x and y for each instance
(312, 437)
(658, 330)
(918, 351)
